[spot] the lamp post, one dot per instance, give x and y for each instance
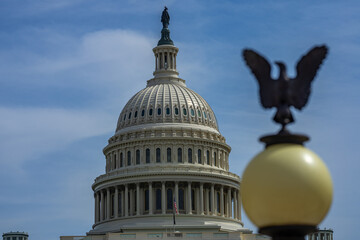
(286, 188)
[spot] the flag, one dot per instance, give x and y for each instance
(175, 211)
(175, 207)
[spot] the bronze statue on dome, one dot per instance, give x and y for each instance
(165, 18)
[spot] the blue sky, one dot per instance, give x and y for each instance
(68, 67)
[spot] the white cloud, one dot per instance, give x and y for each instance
(33, 132)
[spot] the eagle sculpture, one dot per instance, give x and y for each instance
(285, 92)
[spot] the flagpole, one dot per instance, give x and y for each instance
(174, 211)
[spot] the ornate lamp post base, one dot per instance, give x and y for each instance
(288, 232)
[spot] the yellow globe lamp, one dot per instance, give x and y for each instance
(286, 189)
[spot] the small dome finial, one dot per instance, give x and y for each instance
(165, 32)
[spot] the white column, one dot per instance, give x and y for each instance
(116, 202)
(108, 204)
(122, 203)
(97, 207)
(162, 60)
(212, 199)
(131, 202)
(126, 200)
(177, 194)
(235, 206)
(189, 198)
(137, 199)
(201, 198)
(150, 199)
(229, 203)
(222, 200)
(207, 201)
(239, 204)
(163, 209)
(102, 205)
(197, 191)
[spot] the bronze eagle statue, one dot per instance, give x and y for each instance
(285, 92)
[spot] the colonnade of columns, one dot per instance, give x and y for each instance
(165, 59)
(158, 197)
(321, 236)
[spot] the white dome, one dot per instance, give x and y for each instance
(166, 101)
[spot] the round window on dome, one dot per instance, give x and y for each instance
(150, 112)
(192, 112)
(167, 111)
(159, 111)
(143, 113)
(184, 111)
(135, 115)
(176, 111)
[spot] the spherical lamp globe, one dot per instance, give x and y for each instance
(286, 184)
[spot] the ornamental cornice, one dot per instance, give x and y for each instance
(132, 174)
(162, 140)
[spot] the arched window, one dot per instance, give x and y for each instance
(193, 200)
(190, 155)
(124, 117)
(143, 112)
(150, 112)
(168, 154)
(167, 111)
(147, 155)
(199, 156)
(218, 202)
(199, 114)
(179, 154)
(184, 111)
(158, 199)
(128, 158)
(192, 112)
(176, 111)
(112, 205)
(159, 111)
(169, 202)
(129, 115)
(120, 203)
(135, 200)
(205, 114)
(158, 155)
(208, 157)
(135, 115)
(146, 200)
(121, 160)
(138, 156)
(215, 160)
(115, 160)
(210, 201)
(181, 199)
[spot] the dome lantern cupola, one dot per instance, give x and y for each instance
(165, 52)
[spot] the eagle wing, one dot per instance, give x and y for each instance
(261, 68)
(306, 68)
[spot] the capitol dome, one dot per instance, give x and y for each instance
(167, 160)
(166, 101)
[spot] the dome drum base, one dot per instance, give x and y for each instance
(288, 232)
